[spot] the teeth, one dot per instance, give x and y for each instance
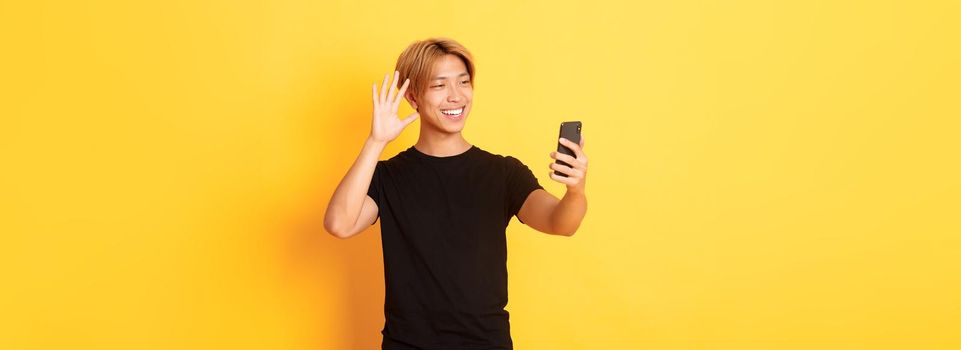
(453, 111)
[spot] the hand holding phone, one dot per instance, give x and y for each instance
(571, 131)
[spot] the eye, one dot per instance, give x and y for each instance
(437, 86)
(465, 82)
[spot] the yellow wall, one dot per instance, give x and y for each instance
(764, 174)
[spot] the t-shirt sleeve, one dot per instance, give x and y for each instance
(520, 183)
(374, 190)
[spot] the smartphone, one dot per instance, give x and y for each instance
(570, 131)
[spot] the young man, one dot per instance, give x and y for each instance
(444, 206)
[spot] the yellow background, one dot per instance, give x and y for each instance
(764, 174)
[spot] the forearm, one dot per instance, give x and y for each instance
(346, 202)
(567, 215)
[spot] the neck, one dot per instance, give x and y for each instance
(440, 144)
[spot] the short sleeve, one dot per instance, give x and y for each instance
(520, 183)
(374, 190)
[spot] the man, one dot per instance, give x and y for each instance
(444, 206)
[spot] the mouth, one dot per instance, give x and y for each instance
(453, 114)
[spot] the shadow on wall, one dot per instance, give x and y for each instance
(347, 272)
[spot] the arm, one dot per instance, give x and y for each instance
(542, 211)
(350, 209)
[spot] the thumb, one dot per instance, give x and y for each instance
(410, 118)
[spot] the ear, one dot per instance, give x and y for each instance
(410, 99)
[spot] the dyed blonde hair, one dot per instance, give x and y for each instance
(417, 62)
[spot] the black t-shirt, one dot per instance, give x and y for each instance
(443, 223)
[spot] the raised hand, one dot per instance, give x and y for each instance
(386, 126)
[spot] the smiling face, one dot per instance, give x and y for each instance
(446, 100)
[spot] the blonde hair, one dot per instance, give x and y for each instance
(417, 62)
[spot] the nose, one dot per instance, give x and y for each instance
(453, 95)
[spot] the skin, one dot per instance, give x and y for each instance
(350, 210)
(449, 88)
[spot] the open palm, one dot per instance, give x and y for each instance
(386, 126)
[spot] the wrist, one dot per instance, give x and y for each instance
(575, 191)
(371, 141)
(375, 146)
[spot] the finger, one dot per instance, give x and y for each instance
(564, 180)
(393, 87)
(566, 170)
(582, 142)
(573, 146)
(376, 98)
(566, 159)
(383, 89)
(410, 118)
(576, 149)
(403, 89)
(562, 157)
(571, 161)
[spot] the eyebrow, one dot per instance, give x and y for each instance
(444, 76)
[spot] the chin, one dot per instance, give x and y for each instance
(453, 129)
(450, 126)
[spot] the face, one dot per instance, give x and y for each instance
(445, 103)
